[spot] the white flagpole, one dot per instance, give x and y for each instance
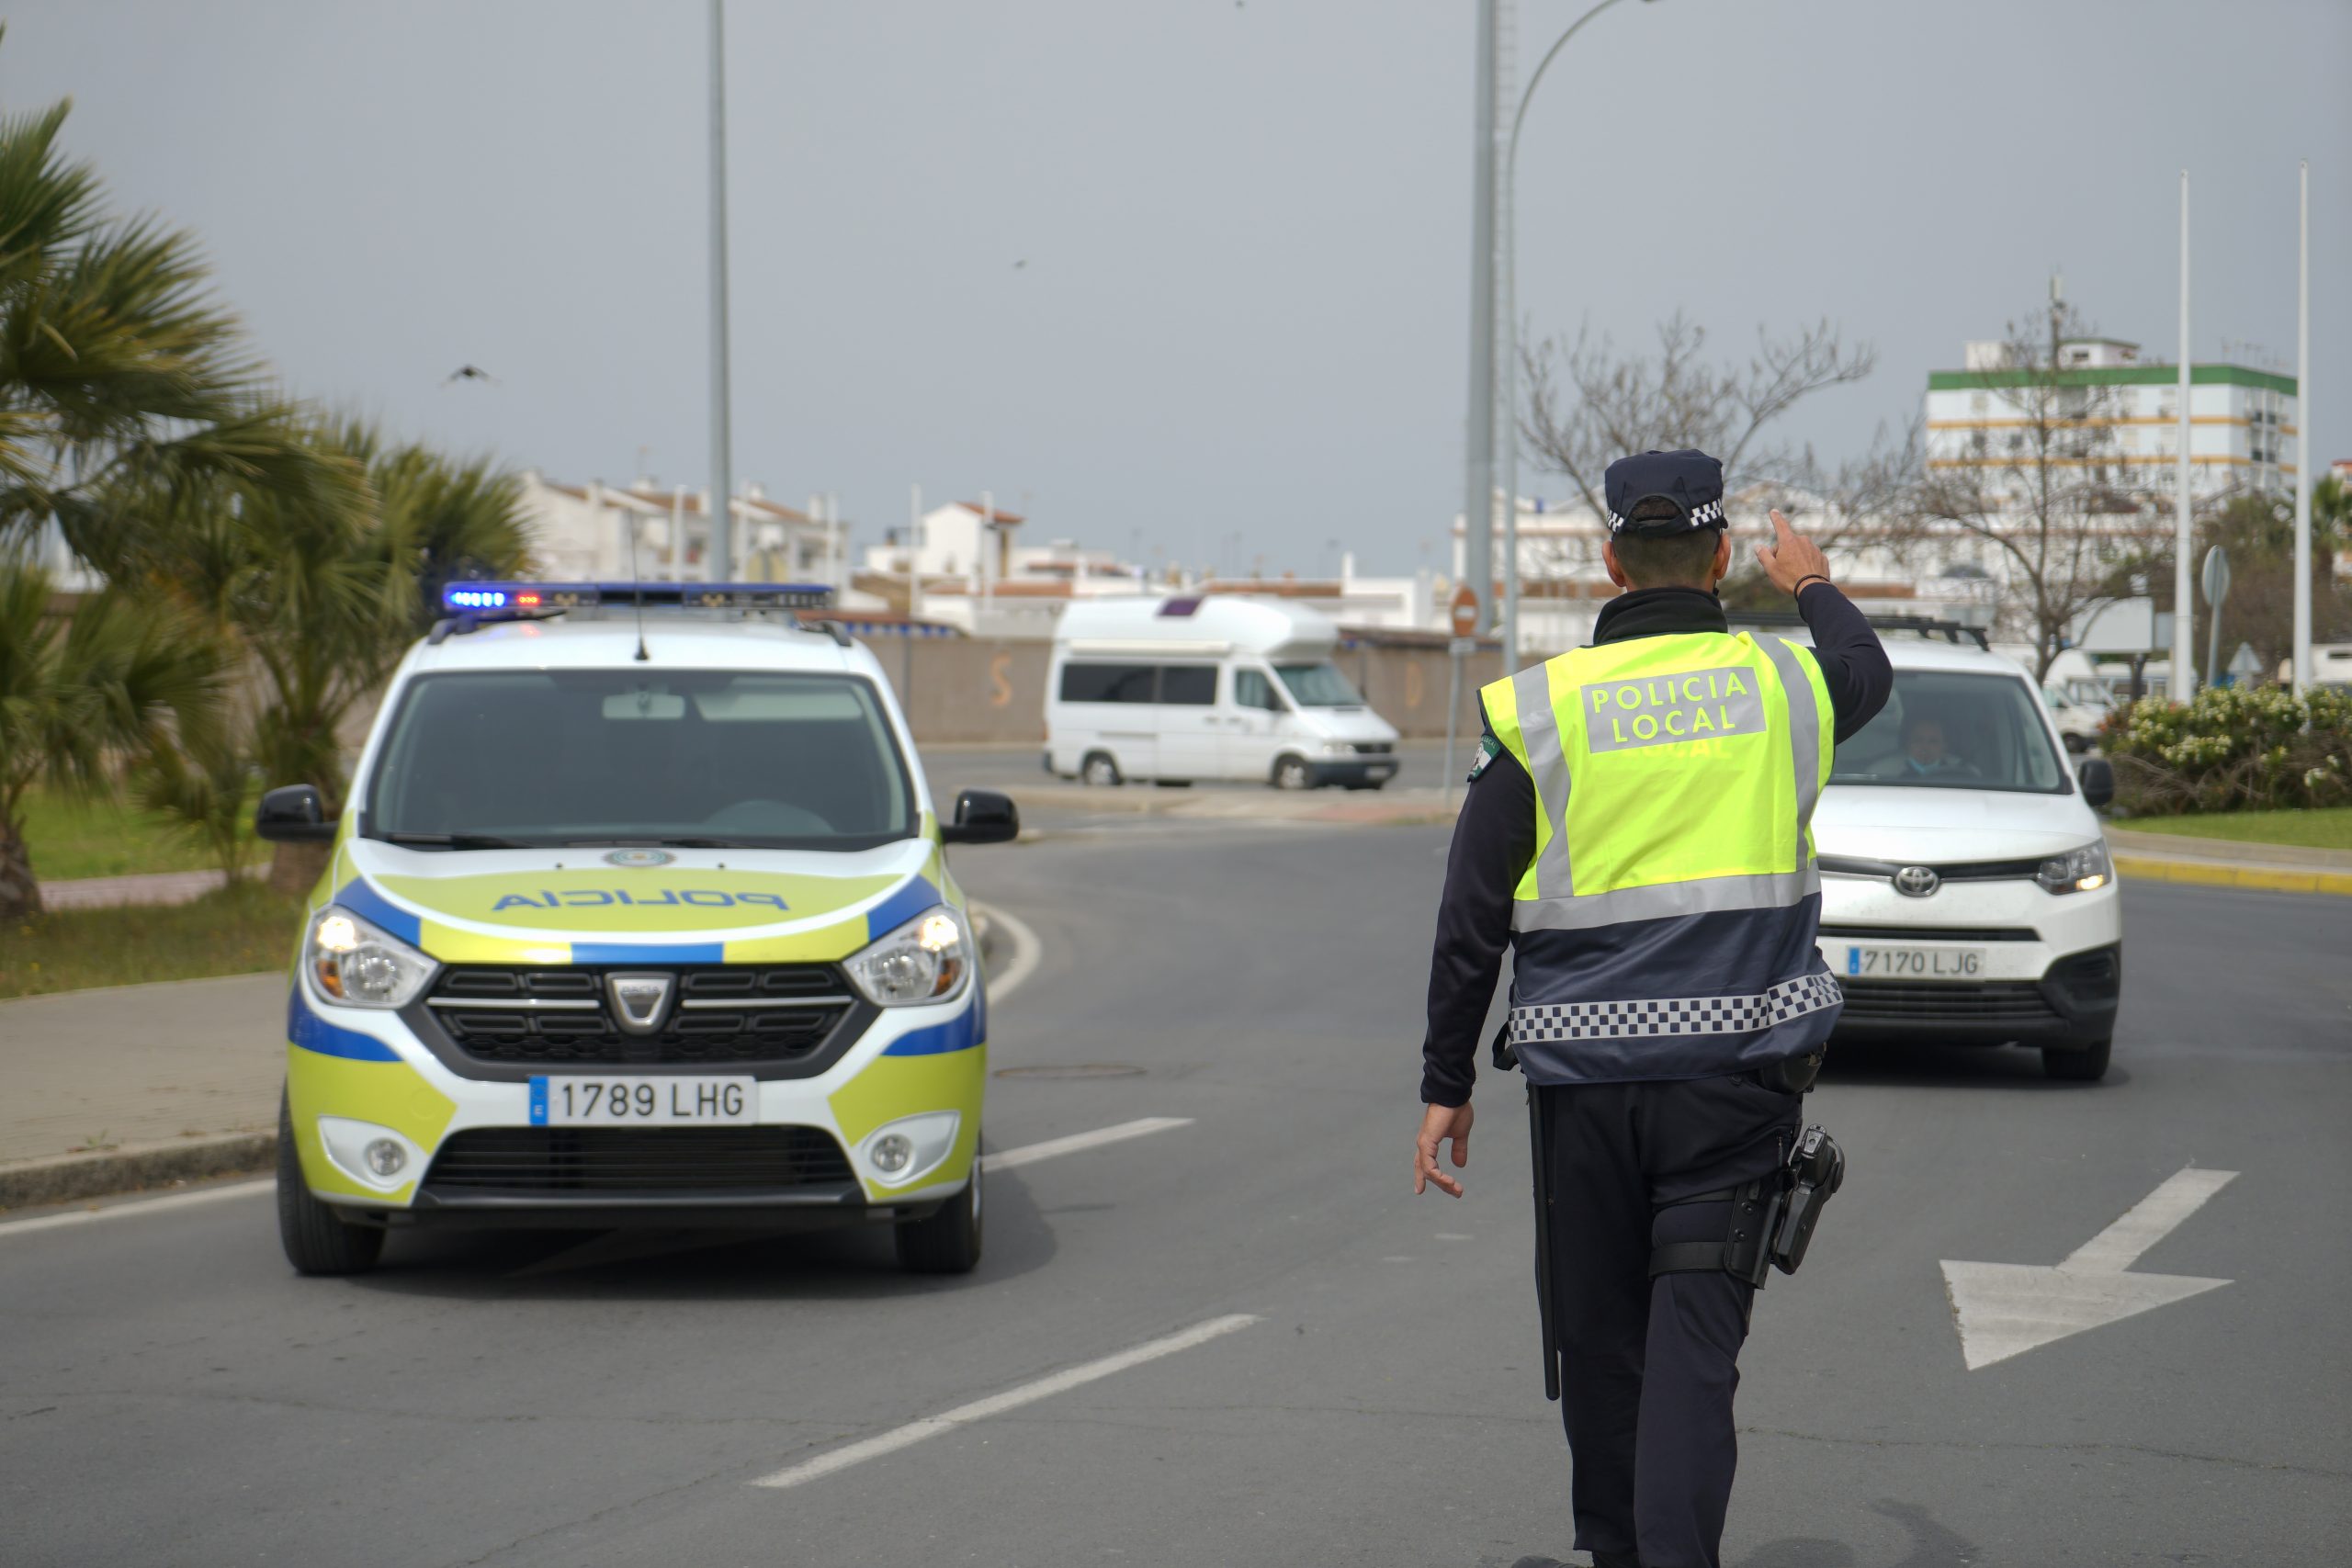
(2303, 447)
(2183, 680)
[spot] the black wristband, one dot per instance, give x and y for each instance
(1798, 591)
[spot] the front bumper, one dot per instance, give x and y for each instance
(2051, 971)
(479, 1161)
(1373, 770)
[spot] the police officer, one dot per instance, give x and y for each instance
(1636, 832)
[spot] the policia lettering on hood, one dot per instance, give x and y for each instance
(595, 897)
(1637, 836)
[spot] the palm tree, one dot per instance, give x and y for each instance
(81, 687)
(321, 601)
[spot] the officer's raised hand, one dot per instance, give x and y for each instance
(1440, 1122)
(1792, 559)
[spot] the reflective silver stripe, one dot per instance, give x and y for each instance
(1666, 900)
(1547, 765)
(1675, 1015)
(1804, 729)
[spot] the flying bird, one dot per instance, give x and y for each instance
(470, 373)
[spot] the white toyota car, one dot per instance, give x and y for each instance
(1966, 891)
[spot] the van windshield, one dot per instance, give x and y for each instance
(1317, 687)
(1944, 729)
(692, 758)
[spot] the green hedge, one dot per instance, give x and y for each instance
(2233, 750)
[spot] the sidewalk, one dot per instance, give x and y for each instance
(137, 1085)
(152, 887)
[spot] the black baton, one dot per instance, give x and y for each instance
(1542, 1244)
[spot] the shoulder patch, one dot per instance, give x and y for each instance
(1488, 749)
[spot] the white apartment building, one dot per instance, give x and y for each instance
(2243, 433)
(583, 534)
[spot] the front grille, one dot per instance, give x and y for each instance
(1920, 1001)
(1932, 933)
(1374, 748)
(623, 1161)
(731, 1016)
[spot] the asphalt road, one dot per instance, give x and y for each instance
(170, 1393)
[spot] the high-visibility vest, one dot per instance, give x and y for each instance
(1665, 926)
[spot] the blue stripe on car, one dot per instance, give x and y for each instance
(899, 907)
(361, 899)
(311, 1032)
(958, 1033)
(648, 953)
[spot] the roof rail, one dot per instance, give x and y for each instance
(1930, 626)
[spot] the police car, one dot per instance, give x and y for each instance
(638, 914)
(1966, 890)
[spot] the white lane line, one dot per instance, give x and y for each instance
(1026, 953)
(1054, 1148)
(138, 1206)
(915, 1432)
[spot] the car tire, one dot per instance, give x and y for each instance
(1291, 772)
(317, 1240)
(1171, 784)
(1099, 771)
(945, 1242)
(2076, 744)
(2083, 1063)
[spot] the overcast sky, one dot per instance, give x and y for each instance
(1157, 271)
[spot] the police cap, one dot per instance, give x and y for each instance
(1690, 479)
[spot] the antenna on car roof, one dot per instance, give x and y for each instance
(638, 584)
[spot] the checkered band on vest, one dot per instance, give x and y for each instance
(1676, 1015)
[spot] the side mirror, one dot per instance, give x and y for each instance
(982, 816)
(2097, 779)
(293, 814)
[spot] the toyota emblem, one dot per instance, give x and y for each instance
(1916, 881)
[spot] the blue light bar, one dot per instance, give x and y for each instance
(492, 601)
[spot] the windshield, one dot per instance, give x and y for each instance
(1947, 730)
(695, 757)
(1317, 687)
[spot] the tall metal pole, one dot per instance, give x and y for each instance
(1507, 369)
(1478, 489)
(915, 554)
(2303, 447)
(2184, 608)
(721, 567)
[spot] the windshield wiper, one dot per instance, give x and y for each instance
(665, 843)
(453, 840)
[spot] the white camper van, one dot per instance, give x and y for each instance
(1174, 690)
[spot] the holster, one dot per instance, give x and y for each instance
(1772, 1217)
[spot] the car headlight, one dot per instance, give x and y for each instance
(2076, 870)
(1339, 748)
(360, 964)
(929, 959)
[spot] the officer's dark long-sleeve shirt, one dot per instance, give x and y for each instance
(1494, 835)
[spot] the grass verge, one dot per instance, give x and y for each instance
(237, 931)
(113, 837)
(2327, 827)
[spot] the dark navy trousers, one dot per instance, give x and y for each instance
(1648, 1368)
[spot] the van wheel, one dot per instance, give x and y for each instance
(2086, 1063)
(947, 1242)
(1100, 769)
(317, 1240)
(2077, 744)
(1291, 772)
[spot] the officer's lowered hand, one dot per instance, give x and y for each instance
(1790, 558)
(1440, 1122)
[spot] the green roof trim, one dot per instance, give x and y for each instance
(2112, 376)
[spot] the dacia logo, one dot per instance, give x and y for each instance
(667, 897)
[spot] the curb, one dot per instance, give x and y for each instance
(105, 1173)
(2211, 873)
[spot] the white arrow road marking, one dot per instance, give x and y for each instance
(2007, 1309)
(915, 1432)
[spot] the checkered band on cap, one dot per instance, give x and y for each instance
(1676, 1015)
(1703, 515)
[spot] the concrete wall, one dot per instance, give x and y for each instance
(983, 690)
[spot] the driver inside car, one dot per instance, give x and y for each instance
(1926, 753)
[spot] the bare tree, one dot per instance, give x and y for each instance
(2044, 480)
(1589, 404)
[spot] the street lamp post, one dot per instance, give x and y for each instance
(1507, 352)
(720, 566)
